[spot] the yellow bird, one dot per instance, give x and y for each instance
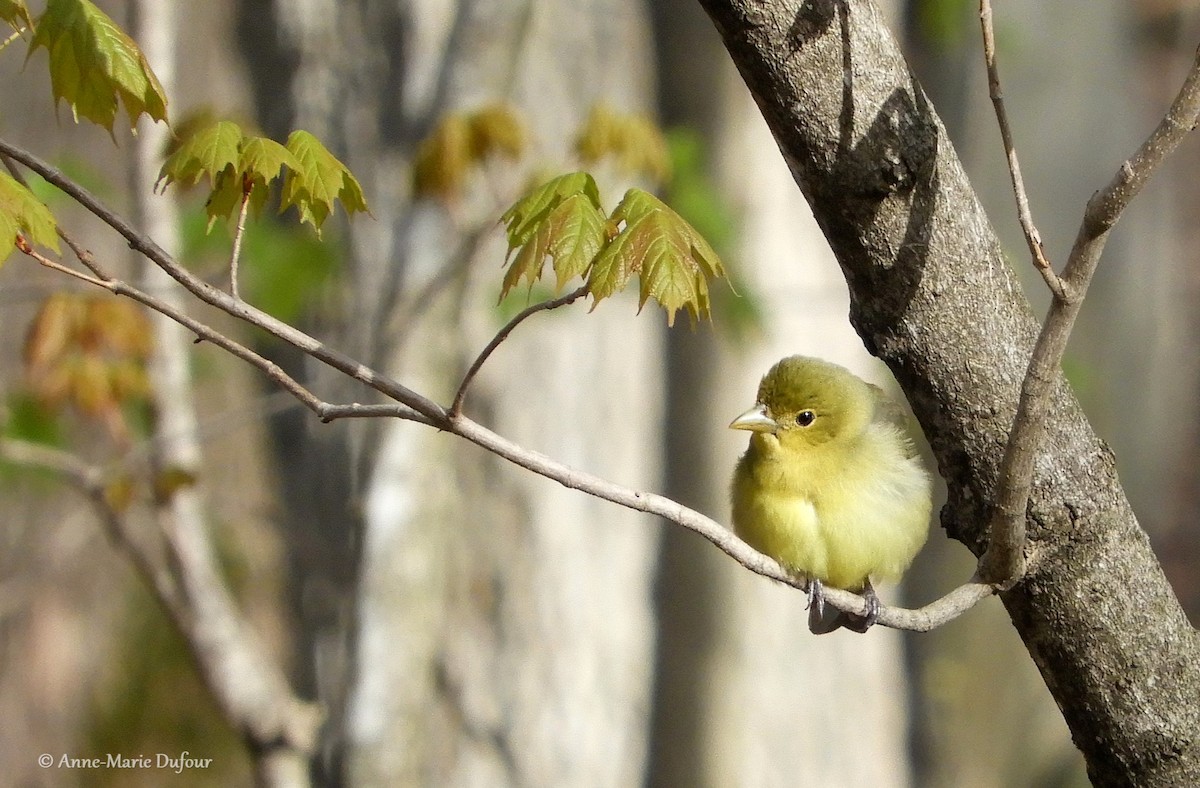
(831, 486)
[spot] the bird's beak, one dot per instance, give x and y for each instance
(755, 420)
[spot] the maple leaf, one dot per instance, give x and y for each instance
(94, 64)
(208, 151)
(671, 259)
(560, 220)
(633, 141)
(522, 218)
(461, 143)
(318, 181)
(21, 213)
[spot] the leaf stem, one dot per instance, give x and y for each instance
(236, 254)
(503, 333)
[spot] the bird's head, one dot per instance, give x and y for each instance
(806, 402)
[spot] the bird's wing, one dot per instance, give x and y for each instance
(889, 411)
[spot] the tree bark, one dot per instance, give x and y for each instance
(932, 296)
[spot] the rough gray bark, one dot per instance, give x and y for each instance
(933, 297)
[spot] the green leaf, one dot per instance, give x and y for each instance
(209, 151)
(94, 64)
(671, 259)
(263, 159)
(522, 219)
(571, 235)
(318, 181)
(16, 14)
(24, 214)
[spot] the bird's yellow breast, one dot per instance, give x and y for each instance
(838, 513)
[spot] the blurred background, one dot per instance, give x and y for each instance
(463, 621)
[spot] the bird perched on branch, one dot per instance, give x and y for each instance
(831, 486)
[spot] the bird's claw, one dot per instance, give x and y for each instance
(863, 623)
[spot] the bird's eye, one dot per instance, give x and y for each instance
(805, 418)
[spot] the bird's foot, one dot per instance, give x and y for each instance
(818, 622)
(863, 623)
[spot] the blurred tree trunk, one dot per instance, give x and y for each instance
(470, 624)
(746, 694)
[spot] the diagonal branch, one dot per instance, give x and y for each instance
(922, 619)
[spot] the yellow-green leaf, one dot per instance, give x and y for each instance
(210, 151)
(671, 259)
(561, 220)
(94, 64)
(495, 129)
(443, 159)
(571, 235)
(576, 235)
(23, 213)
(171, 480)
(318, 180)
(522, 219)
(635, 142)
(263, 159)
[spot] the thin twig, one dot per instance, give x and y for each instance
(27, 249)
(12, 38)
(502, 334)
(1004, 562)
(92, 481)
(1032, 237)
(83, 255)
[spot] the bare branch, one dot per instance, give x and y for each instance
(1032, 237)
(27, 249)
(1004, 562)
(329, 412)
(503, 333)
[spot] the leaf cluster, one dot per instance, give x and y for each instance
(89, 352)
(461, 142)
(635, 142)
(241, 168)
(563, 221)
